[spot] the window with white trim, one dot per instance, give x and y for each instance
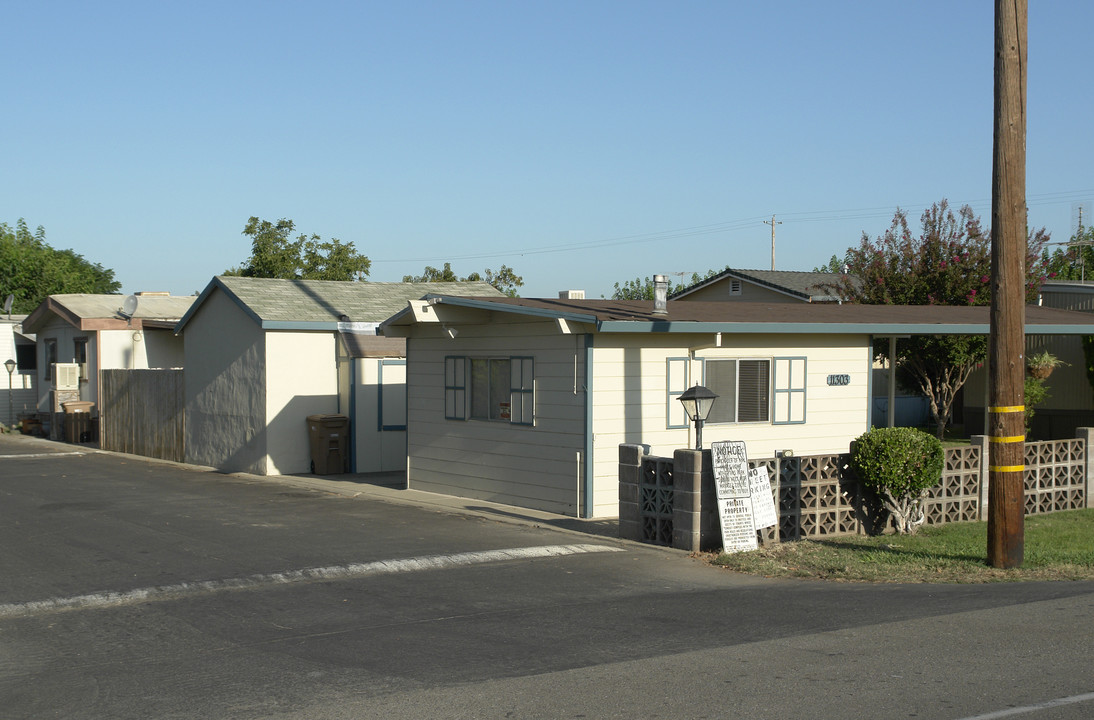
(743, 387)
(677, 373)
(789, 391)
(495, 389)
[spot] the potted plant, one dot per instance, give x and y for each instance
(1040, 365)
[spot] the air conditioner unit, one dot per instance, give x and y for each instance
(66, 376)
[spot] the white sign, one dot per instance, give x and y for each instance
(763, 503)
(738, 528)
(730, 469)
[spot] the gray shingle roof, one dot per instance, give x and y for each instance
(806, 285)
(295, 302)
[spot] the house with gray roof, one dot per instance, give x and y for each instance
(526, 402)
(782, 286)
(262, 355)
(96, 333)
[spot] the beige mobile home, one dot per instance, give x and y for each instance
(94, 332)
(525, 402)
(263, 354)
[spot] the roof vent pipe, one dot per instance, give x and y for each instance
(660, 295)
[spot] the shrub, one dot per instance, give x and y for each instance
(899, 464)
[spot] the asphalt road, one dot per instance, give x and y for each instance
(136, 589)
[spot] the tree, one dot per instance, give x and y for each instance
(504, 279)
(31, 270)
(948, 263)
(1076, 262)
(275, 254)
(834, 265)
(642, 288)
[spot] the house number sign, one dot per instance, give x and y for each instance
(839, 379)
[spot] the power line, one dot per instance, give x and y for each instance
(730, 226)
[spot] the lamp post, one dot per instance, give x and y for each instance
(697, 401)
(10, 365)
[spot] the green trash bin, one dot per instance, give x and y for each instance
(327, 436)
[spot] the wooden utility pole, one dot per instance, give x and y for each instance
(1006, 403)
(772, 223)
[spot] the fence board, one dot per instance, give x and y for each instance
(142, 412)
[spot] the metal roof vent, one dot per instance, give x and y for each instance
(660, 295)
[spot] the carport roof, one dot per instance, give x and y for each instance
(277, 304)
(637, 316)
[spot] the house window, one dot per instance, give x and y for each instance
(495, 389)
(79, 355)
(51, 357)
(676, 382)
(455, 388)
(789, 391)
(743, 388)
(522, 390)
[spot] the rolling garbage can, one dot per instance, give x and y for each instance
(327, 435)
(78, 420)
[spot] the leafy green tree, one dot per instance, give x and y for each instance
(504, 279)
(947, 263)
(31, 270)
(276, 254)
(834, 265)
(1073, 262)
(642, 288)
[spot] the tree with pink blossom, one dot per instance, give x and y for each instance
(947, 263)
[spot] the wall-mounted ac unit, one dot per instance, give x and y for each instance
(66, 376)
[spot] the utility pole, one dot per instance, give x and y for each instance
(772, 223)
(1006, 366)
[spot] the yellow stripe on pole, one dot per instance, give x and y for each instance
(1008, 439)
(1007, 409)
(1006, 468)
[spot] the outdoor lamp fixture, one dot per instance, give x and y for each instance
(697, 401)
(10, 365)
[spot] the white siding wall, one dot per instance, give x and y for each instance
(20, 397)
(380, 450)
(301, 380)
(65, 335)
(536, 467)
(630, 397)
(225, 376)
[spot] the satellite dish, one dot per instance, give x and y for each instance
(129, 307)
(7, 303)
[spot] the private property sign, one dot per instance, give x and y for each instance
(744, 496)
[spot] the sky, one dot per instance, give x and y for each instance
(581, 143)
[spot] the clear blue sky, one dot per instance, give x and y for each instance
(581, 143)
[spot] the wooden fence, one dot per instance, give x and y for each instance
(142, 412)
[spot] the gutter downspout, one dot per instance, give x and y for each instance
(587, 509)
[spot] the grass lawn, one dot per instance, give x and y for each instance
(1058, 546)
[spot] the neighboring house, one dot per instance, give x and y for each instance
(17, 393)
(780, 286)
(93, 332)
(525, 402)
(264, 354)
(1070, 403)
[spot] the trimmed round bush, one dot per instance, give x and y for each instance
(899, 464)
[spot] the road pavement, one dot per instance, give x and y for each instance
(137, 589)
